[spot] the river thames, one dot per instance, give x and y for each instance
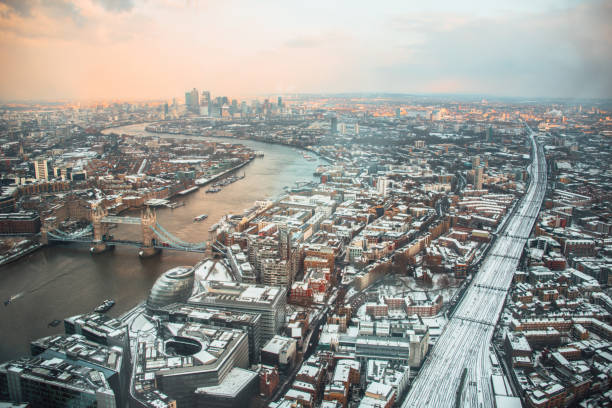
(60, 281)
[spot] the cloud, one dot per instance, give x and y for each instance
(439, 22)
(30, 9)
(158, 48)
(564, 53)
(329, 38)
(61, 9)
(303, 42)
(116, 5)
(21, 7)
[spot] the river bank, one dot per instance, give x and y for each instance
(15, 256)
(239, 140)
(59, 281)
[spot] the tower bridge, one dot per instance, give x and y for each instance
(154, 236)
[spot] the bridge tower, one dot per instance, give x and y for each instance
(148, 220)
(49, 223)
(100, 229)
(44, 239)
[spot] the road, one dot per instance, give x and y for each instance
(465, 342)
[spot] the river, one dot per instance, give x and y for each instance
(60, 281)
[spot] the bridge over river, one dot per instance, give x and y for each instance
(154, 236)
(65, 280)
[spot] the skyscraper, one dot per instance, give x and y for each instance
(41, 169)
(205, 98)
(195, 98)
(334, 124)
(192, 101)
(475, 162)
(383, 185)
(479, 177)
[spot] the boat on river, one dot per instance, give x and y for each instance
(105, 306)
(54, 323)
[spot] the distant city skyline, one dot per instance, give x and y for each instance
(156, 49)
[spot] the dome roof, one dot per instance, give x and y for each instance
(175, 285)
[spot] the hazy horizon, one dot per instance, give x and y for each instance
(93, 50)
(435, 97)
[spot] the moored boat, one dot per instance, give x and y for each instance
(105, 306)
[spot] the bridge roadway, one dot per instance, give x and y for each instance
(165, 239)
(125, 242)
(114, 219)
(464, 343)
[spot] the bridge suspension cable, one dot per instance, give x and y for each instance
(59, 234)
(169, 238)
(86, 235)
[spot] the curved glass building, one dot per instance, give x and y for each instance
(175, 285)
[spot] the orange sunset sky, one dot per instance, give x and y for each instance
(159, 48)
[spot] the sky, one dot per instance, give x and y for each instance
(157, 49)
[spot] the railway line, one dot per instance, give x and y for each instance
(457, 371)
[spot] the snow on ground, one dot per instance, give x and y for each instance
(211, 270)
(219, 273)
(202, 269)
(141, 324)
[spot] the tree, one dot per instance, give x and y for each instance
(444, 282)
(400, 264)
